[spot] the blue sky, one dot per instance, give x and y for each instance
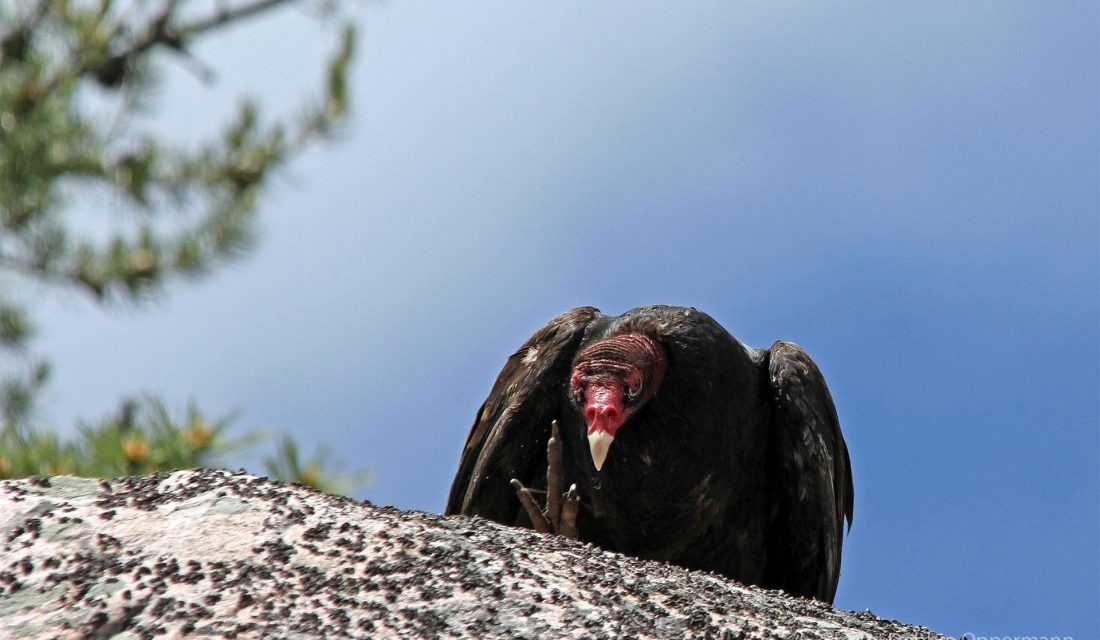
(908, 190)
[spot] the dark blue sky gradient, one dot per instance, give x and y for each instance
(909, 191)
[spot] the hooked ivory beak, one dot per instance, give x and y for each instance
(599, 442)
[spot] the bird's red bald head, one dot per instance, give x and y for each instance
(611, 380)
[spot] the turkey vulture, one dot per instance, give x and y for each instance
(682, 443)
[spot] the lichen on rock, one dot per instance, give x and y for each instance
(205, 553)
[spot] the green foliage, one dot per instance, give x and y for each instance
(287, 464)
(58, 52)
(142, 438)
(187, 208)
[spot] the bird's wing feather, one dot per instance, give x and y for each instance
(810, 477)
(509, 435)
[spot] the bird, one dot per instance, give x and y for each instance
(679, 442)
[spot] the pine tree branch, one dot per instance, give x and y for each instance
(161, 31)
(226, 16)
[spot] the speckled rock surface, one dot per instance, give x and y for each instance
(215, 554)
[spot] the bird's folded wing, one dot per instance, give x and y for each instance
(809, 476)
(509, 434)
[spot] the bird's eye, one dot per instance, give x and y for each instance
(576, 384)
(634, 390)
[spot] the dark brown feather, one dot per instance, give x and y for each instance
(509, 435)
(735, 464)
(811, 479)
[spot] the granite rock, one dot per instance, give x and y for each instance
(213, 554)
